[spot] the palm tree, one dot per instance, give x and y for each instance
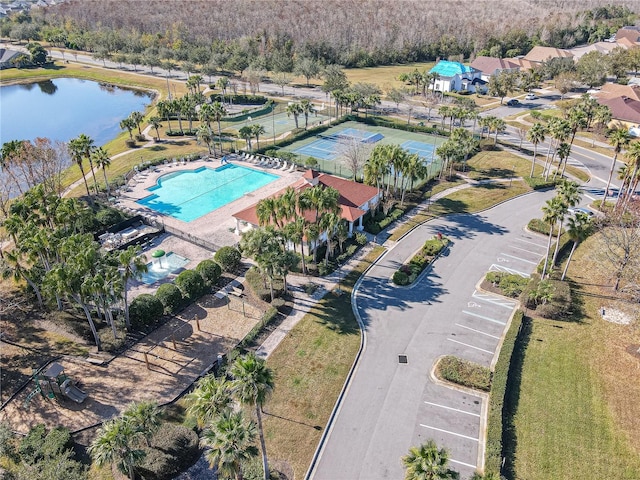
(552, 211)
(329, 223)
(427, 462)
(12, 266)
(88, 147)
(217, 113)
(499, 126)
(306, 107)
(569, 195)
(136, 118)
(563, 151)
(253, 383)
(128, 124)
(560, 131)
(294, 109)
(155, 124)
(101, 159)
(222, 84)
(165, 109)
(619, 139)
(76, 149)
(246, 133)
(209, 399)
(633, 166)
(132, 265)
(579, 229)
(257, 130)
(203, 135)
(117, 442)
(145, 417)
(536, 135)
(229, 439)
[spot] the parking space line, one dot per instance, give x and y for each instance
(451, 408)
(521, 259)
(492, 300)
(449, 432)
(484, 318)
(527, 250)
(532, 243)
(462, 463)
(478, 331)
(470, 346)
(500, 268)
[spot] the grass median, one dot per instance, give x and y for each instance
(311, 365)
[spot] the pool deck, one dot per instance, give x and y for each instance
(217, 227)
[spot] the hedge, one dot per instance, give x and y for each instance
(170, 297)
(539, 183)
(419, 261)
(465, 373)
(145, 309)
(239, 99)
(256, 282)
(269, 316)
(512, 285)
(502, 377)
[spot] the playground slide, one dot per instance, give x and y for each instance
(73, 392)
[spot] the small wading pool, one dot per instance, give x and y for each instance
(162, 267)
(190, 194)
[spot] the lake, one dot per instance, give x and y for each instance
(63, 108)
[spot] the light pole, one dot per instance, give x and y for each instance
(273, 119)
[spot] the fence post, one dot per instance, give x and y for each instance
(146, 360)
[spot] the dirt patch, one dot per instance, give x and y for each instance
(614, 315)
(158, 368)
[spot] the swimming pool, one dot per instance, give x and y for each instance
(162, 267)
(190, 194)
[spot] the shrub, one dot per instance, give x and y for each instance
(210, 272)
(130, 143)
(464, 373)
(144, 310)
(260, 286)
(228, 258)
(539, 183)
(190, 284)
(108, 217)
(360, 238)
(170, 297)
(278, 303)
(400, 278)
(540, 226)
(326, 269)
(173, 449)
(38, 444)
(433, 247)
(493, 277)
(141, 138)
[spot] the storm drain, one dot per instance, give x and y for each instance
(402, 359)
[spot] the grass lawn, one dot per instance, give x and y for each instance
(387, 76)
(311, 365)
(499, 164)
(89, 72)
(578, 414)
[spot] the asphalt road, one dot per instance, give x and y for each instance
(390, 406)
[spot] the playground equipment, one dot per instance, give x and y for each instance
(54, 383)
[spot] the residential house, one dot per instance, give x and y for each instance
(602, 47)
(455, 76)
(623, 109)
(631, 33)
(489, 66)
(538, 55)
(613, 90)
(355, 199)
(6, 56)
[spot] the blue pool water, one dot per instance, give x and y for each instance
(189, 195)
(164, 266)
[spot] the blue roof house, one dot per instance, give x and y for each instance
(455, 76)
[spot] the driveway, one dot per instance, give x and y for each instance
(390, 406)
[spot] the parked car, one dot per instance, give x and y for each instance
(586, 211)
(513, 102)
(531, 96)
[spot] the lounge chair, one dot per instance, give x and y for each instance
(284, 166)
(276, 163)
(292, 169)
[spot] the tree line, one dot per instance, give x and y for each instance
(278, 35)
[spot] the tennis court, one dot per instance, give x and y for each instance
(328, 147)
(279, 123)
(424, 150)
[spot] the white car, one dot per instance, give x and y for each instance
(586, 211)
(531, 96)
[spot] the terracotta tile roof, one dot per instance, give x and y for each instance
(602, 47)
(623, 108)
(540, 54)
(613, 90)
(629, 33)
(626, 42)
(489, 65)
(352, 196)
